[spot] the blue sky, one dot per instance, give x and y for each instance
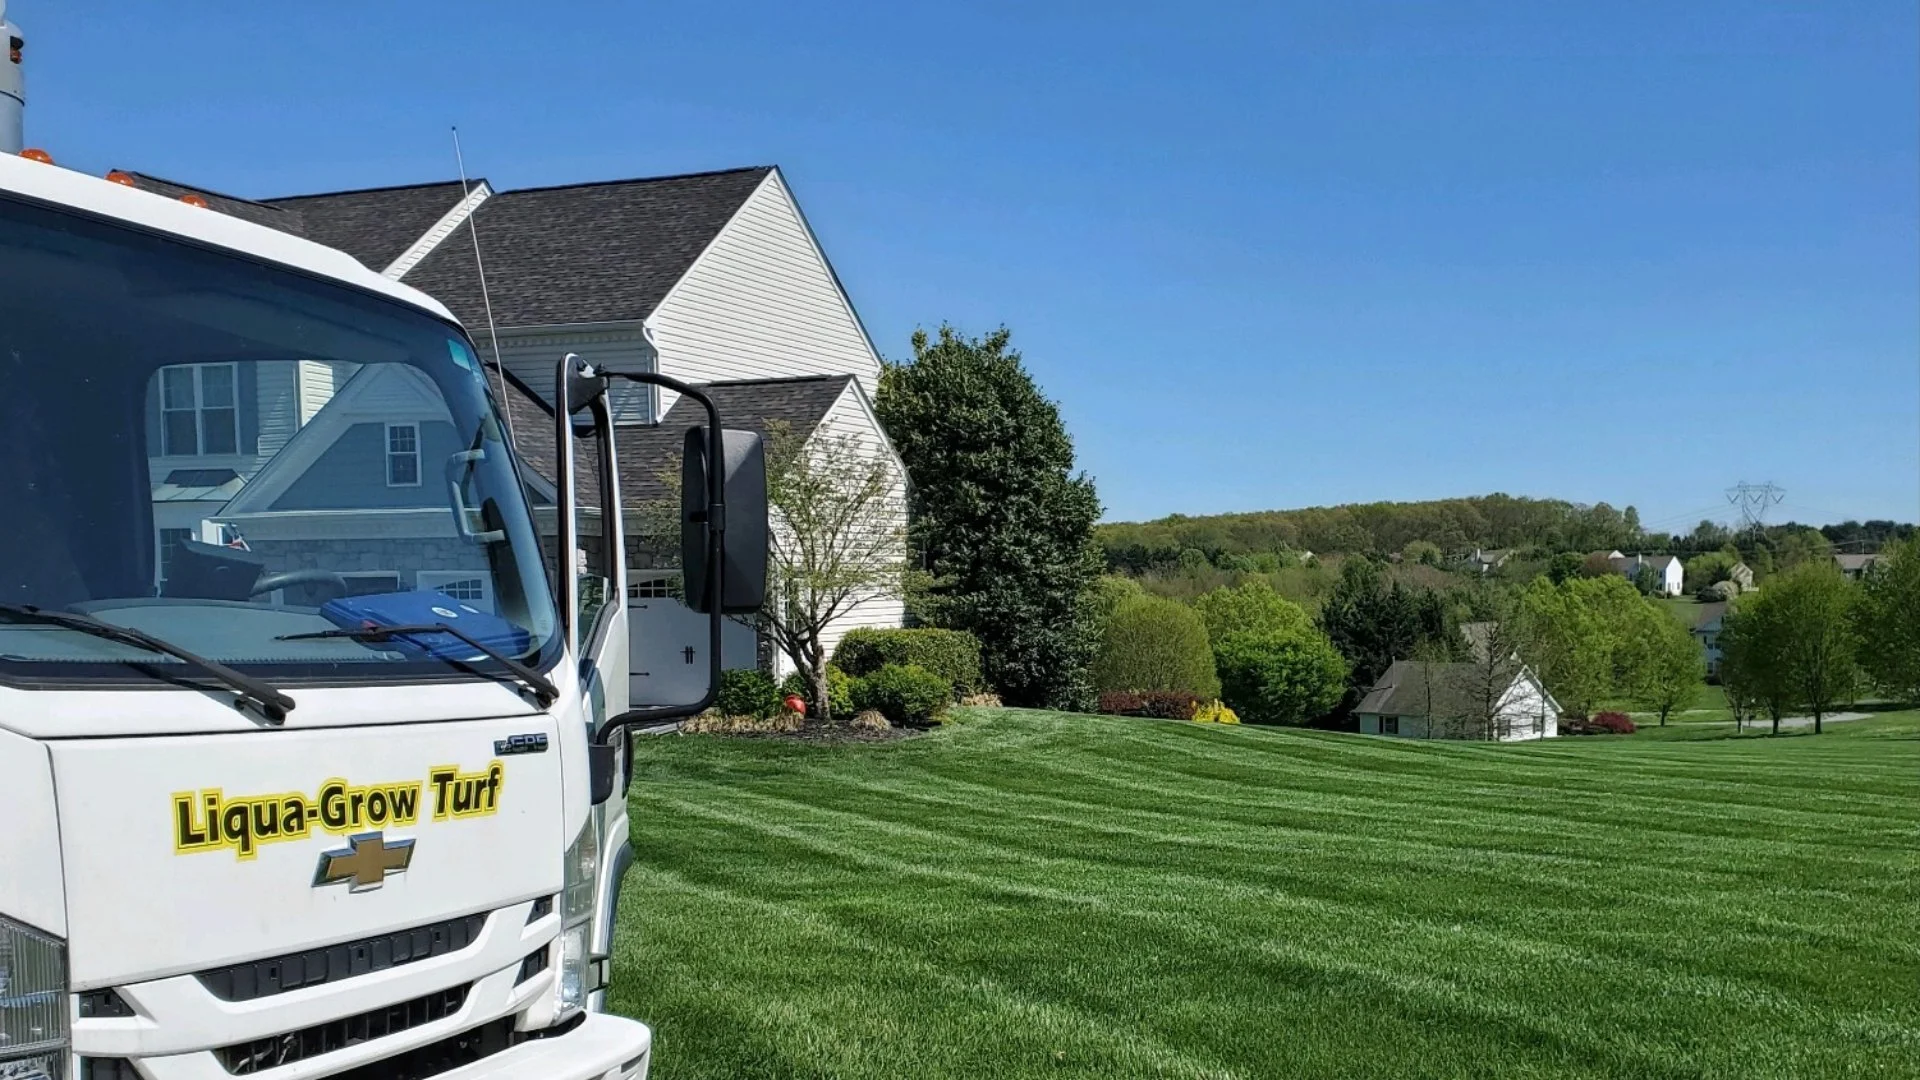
(1265, 255)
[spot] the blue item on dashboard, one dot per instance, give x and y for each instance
(426, 606)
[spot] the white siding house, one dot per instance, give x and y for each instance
(1667, 569)
(712, 278)
(761, 302)
(1418, 700)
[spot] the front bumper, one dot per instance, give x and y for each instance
(601, 1048)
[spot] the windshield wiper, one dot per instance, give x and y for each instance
(543, 689)
(273, 704)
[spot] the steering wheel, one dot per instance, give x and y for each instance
(300, 577)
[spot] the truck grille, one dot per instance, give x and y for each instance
(444, 1056)
(295, 971)
(246, 1058)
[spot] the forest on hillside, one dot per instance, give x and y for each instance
(1441, 530)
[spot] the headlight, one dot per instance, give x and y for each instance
(33, 1004)
(576, 911)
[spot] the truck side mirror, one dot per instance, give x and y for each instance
(744, 536)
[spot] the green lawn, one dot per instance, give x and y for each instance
(1029, 894)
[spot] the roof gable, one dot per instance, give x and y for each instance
(375, 393)
(375, 225)
(1418, 688)
(584, 253)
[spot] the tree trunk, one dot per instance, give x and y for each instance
(1816, 719)
(817, 676)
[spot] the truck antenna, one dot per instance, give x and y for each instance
(493, 335)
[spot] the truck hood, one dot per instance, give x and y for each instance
(188, 852)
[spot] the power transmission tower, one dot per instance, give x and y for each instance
(1752, 500)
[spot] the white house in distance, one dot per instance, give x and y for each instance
(1420, 700)
(711, 278)
(1668, 569)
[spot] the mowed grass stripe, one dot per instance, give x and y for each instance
(1027, 894)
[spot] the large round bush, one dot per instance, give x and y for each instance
(1152, 643)
(1280, 676)
(903, 693)
(951, 654)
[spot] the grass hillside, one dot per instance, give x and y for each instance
(1028, 894)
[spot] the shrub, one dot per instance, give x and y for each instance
(1215, 712)
(1616, 722)
(1153, 643)
(1281, 676)
(1605, 723)
(1719, 590)
(839, 689)
(903, 693)
(748, 692)
(954, 655)
(869, 721)
(1162, 704)
(983, 700)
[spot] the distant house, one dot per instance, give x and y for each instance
(1855, 567)
(1742, 575)
(1420, 700)
(1488, 560)
(713, 278)
(1667, 569)
(1705, 621)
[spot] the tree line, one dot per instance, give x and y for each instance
(1003, 545)
(1443, 530)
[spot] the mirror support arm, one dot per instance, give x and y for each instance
(716, 521)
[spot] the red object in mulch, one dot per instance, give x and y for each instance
(794, 704)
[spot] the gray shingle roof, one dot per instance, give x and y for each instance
(800, 403)
(599, 252)
(259, 213)
(376, 225)
(1415, 688)
(584, 253)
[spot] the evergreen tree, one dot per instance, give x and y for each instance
(999, 517)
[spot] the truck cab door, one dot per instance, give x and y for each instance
(593, 598)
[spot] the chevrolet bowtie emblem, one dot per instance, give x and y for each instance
(364, 863)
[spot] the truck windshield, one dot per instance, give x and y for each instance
(232, 456)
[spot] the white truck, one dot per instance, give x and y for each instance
(268, 814)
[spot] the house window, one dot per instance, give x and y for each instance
(650, 589)
(468, 589)
(473, 588)
(1389, 725)
(170, 544)
(198, 410)
(403, 455)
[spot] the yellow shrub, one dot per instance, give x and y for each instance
(1215, 712)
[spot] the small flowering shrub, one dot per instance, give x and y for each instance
(1215, 712)
(1606, 723)
(1614, 723)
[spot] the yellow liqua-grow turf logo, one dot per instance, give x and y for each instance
(210, 820)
